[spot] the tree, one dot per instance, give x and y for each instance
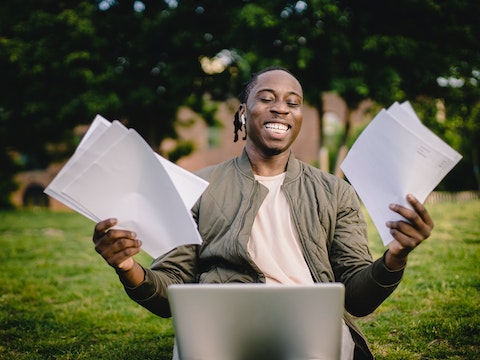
(64, 63)
(363, 49)
(48, 59)
(139, 61)
(404, 60)
(455, 116)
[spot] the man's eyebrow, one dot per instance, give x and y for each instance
(292, 92)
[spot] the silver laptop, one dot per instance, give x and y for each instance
(257, 321)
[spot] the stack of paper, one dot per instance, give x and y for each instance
(115, 173)
(394, 156)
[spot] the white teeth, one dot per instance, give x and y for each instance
(277, 127)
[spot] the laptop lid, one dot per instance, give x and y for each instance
(257, 321)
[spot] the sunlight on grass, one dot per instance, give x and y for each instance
(59, 299)
(434, 313)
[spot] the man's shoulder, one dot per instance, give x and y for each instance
(212, 170)
(319, 173)
(326, 179)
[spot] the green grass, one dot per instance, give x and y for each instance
(435, 311)
(60, 300)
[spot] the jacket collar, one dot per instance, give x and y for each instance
(294, 166)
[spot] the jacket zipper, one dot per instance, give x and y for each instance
(255, 270)
(306, 255)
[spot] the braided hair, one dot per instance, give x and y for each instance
(243, 97)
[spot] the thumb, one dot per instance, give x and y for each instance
(126, 265)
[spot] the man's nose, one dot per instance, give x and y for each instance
(280, 107)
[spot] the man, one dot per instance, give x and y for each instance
(268, 217)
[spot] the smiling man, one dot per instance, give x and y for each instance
(274, 113)
(267, 217)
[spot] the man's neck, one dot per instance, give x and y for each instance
(268, 165)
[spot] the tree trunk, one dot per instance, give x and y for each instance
(476, 166)
(343, 149)
(323, 162)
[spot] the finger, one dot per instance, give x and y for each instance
(119, 250)
(115, 242)
(124, 258)
(116, 236)
(126, 264)
(406, 239)
(119, 243)
(420, 210)
(102, 227)
(418, 217)
(404, 228)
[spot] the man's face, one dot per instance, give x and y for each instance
(274, 112)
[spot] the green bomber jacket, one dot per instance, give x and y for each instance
(327, 215)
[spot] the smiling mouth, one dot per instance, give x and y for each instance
(277, 128)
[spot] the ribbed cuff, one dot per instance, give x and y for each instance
(143, 291)
(383, 275)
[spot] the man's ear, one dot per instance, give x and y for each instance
(242, 109)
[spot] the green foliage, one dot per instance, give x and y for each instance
(183, 148)
(7, 185)
(458, 125)
(64, 62)
(257, 17)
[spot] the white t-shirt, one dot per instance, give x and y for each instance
(270, 244)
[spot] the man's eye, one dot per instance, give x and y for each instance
(292, 103)
(266, 99)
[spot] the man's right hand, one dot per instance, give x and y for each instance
(118, 247)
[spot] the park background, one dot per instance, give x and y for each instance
(171, 70)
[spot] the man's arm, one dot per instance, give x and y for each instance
(368, 285)
(146, 286)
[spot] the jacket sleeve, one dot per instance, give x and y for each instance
(175, 267)
(367, 283)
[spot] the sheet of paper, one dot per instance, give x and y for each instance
(89, 149)
(95, 130)
(114, 173)
(188, 185)
(98, 126)
(394, 156)
(406, 116)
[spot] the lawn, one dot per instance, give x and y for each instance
(60, 300)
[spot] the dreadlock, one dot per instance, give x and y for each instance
(243, 97)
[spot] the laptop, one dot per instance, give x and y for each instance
(257, 321)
